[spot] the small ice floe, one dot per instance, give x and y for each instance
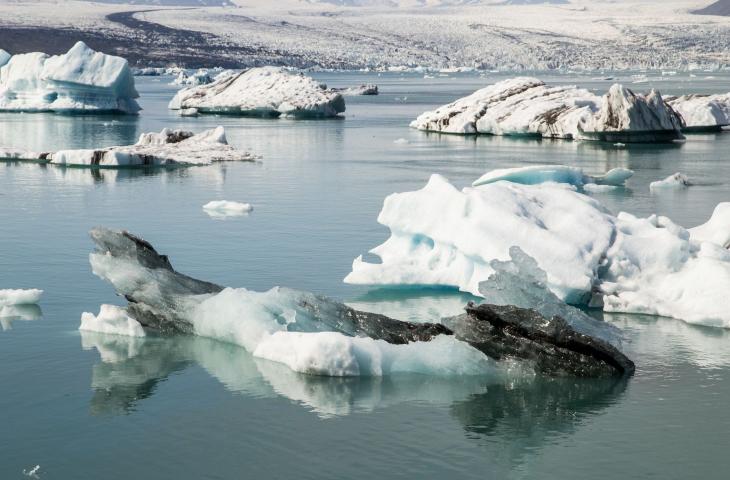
(677, 180)
(535, 174)
(111, 320)
(189, 112)
(167, 148)
(19, 296)
(225, 208)
(401, 141)
(32, 472)
(619, 145)
(366, 89)
(262, 92)
(598, 188)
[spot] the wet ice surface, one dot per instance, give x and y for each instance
(211, 410)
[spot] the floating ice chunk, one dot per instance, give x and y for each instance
(367, 89)
(20, 297)
(717, 229)
(625, 116)
(80, 80)
(443, 236)
(265, 91)
(654, 267)
(554, 173)
(401, 141)
(702, 112)
(200, 77)
(677, 180)
(225, 208)
(112, 320)
(522, 283)
(518, 106)
(526, 106)
(167, 148)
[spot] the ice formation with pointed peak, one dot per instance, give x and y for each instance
(167, 148)
(717, 229)
(199, 77)
(676, 180)
(81, 80)
(10, 296)
(627, 264)
(227, 208)
(263, 91)
(528, 107)
(702, 112)
(535, 174)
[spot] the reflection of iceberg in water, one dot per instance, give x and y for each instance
(520, 418)
(12, 313)
(132, 368)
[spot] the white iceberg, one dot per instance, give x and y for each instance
(624, 263)
(19, 296)
(702, 112)
(366, 89)
(226, 208)
(676, 180)
(81, 80)
(111, 320)
(526, 106)
(264, 91)
(535, 174)
(167, 148)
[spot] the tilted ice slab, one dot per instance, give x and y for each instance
(81, 80)
(626, 263)
(526, 106)
(19, 296)
(167, 148)
(702, 112)
(314, 334)
(264, 91)
(535, 174)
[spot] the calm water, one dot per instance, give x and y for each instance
(99, 407)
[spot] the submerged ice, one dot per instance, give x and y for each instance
(628, 264)
(535, 174)
(81, 80)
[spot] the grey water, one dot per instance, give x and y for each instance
(88, 406)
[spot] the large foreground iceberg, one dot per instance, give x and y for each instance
(317, 335)
(526, 106)
(81, 80)
(444, 236)
(167, 148)
(262, 92)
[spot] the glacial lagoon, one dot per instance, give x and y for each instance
(84, 405)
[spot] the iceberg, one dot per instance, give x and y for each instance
(590, 256)
(79, 81)
(535, 174)
(701, 113)
(199, 77)
(625, 116)
(366, 89)
(225, 208)
(167, 148)
(676, 180)
(262, 92)
(19, 296)
(526, 106)
(317, 335)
